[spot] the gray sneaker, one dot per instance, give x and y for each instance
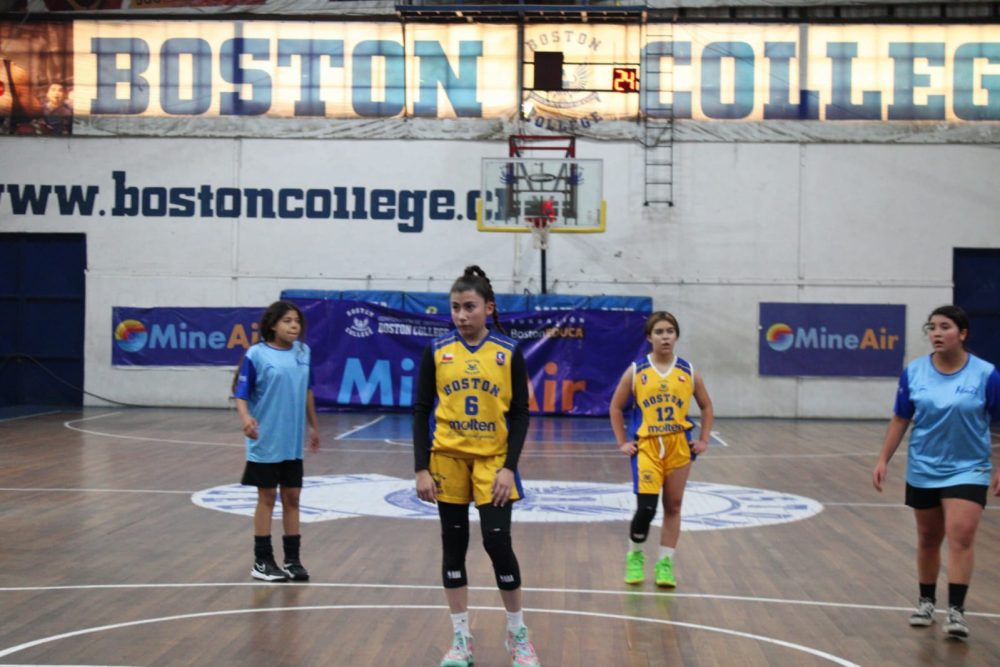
(923, 615)
(956, 626)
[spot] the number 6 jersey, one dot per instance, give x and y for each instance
(479, 397)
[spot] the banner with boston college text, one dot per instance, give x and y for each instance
(367, 355)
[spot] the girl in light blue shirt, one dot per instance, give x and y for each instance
(274, 398)
(950, 396)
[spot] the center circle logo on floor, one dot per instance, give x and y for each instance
(706, 506)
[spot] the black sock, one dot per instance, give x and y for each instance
(291, 544)
(928, 591)
(956, 595)
(262, 549)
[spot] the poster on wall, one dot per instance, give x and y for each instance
(367, 356)
(36, 78)
(182, 336)
(831, 339)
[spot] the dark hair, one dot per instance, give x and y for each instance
(270, 317)
(661, 316)
(956, 315)
(273, 314)
(475, 279)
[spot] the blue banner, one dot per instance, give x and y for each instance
(823, 339)
(367, 355)
(438, 302)
(182, 336)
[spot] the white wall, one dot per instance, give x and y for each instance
(752, 223)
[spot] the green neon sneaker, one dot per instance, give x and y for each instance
(665, 573)
(634, 562)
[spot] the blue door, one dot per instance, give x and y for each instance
(977, 291)
(42, 318)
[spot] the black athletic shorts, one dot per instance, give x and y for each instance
(925, 499)
(271, 475)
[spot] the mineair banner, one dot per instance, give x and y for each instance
(270, 71)
(365, 355)
(823, 339)
(182, 336)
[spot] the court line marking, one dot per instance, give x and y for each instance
(402, 445)
(68, 490)
(567, 612)
(487, 589)
(31, 416)
(70, 426)
(191, 493)
(358, 428)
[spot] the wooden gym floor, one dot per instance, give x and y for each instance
(125, 541)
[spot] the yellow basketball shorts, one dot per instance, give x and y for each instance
(657, 457)
(461, 481)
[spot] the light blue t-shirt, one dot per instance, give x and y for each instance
(274, 383)
(950, 440)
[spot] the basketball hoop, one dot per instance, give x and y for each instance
(540, 221)
(539, 226)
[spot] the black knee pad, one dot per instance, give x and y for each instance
(645, 512)
(495, 523)
(454, 544)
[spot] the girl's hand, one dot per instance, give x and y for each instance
(699, 446)
(313, 440)
(250, 428)
(628, 448)
(426, 489)
(503, 486)
(878, 475)
(996, 483)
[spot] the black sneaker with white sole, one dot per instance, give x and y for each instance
(268, 570)
(296, 572)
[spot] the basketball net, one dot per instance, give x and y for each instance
(539, 232)
(541, 224)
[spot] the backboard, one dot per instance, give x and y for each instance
(524, 194)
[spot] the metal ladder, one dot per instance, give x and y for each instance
(658, 132)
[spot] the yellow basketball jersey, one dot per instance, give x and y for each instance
(661, 399)
(473, 395)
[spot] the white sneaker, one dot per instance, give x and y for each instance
(956, 626)
(923, 615)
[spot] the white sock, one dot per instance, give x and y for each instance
(461, 623)
(634, 546)
(515, 620)
(666, 551)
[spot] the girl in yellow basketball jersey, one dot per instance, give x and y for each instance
(470, 417)
(659, 440)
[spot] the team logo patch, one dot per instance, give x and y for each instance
(360, 326)
(706, 506)
(642, 379)
(472, 366)
(501, 358)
